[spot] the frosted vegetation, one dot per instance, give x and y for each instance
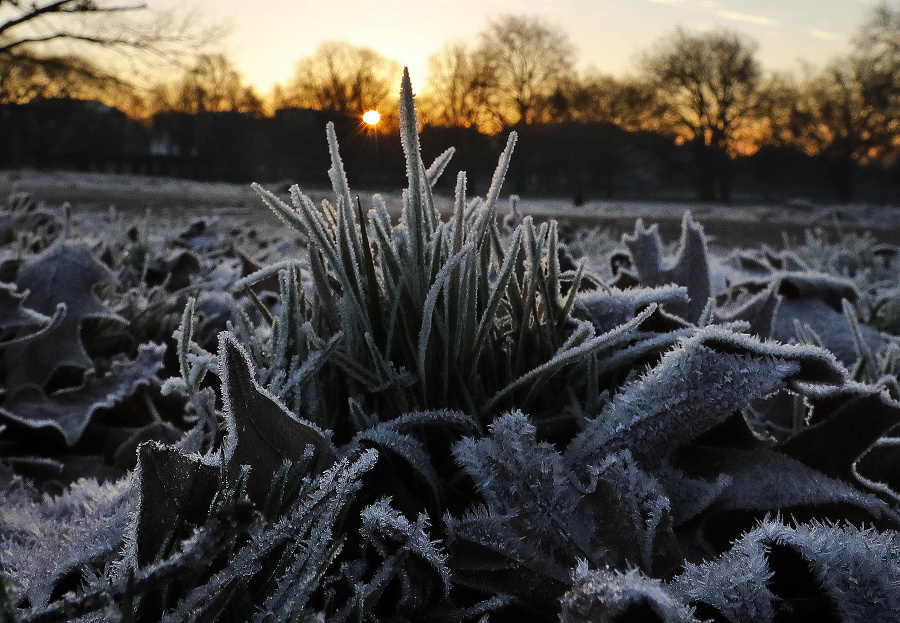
(443, 419)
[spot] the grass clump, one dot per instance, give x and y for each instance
(424, 314)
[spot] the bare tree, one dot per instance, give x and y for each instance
(343, 78)
(627, 103)
(833, 115)
(707, 86)
(48, 48)
(459, 90)
(27, 26)
(23, 79)
(526, 62)
(876, 66)
(213, 84)
(849, 112)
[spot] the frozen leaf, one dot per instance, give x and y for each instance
(695, 387)
(50, 540)
(541, 516)
(763, 482)
(843, 429)
(65, 273)
(609, 309)
(809, 572)
(19, 324)
(732, 587)
(70, 410)
(617, 597)
(809, 284)
(176, 491)
(689, 267)
(175, 270)
(758, 310)
(13, 314)
(262, 433)
(830, 325)
(200, 234)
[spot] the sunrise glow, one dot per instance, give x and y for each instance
(372, 117)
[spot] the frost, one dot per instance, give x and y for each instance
(65, 273)
(44, 541)
(693, 388)
(607, 595)
(262, 433)
(829, 572)
(689, 267)
(70, 411)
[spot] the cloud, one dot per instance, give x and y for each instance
(761, 20)
(824, 34)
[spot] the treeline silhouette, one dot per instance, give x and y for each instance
(578, 160)
(700, 120)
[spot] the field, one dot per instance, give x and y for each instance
(728, 226)
(228, 404)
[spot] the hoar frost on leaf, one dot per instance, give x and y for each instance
(694, 387)
(45, 540)
(616, 596)
(262, 432)
(689, 267)
(819, 571)
(65, 273)
(70, 411)
(539, 518)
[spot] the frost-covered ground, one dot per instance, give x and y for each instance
(727, 225)
(419, 418)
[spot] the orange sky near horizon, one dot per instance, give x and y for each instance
(268, 37)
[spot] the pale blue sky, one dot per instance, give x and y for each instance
(269, 36)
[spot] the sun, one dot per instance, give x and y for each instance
(372, 117)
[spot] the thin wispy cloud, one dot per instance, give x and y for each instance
(748, 18)
(824, 34)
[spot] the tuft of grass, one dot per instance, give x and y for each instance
(424, 314)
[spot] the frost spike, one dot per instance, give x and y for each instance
(409, 132)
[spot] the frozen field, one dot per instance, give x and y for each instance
(440, 419)
(727, 225)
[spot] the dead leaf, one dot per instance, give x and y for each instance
(65, 273)
(262, 432)
(69, 411)
(176, 491)
(689, 267)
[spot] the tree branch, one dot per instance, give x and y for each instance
(65, 6)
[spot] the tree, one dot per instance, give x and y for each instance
(459, 90)
(95, 24)
(626, 102)
(23, 79)
(707, 86)
(213, 84)
(876, 65)
(343, 78)
(45, 46)
(526, 63)
(849, 112)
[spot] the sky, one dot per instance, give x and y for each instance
(268, 37)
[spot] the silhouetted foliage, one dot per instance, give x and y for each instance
(342, 78)
(706, 85)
